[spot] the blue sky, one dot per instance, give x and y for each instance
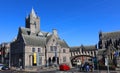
(77, 21)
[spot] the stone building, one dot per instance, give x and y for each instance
(109, 46)
(33, 47)
(4, 53)
(83, 53)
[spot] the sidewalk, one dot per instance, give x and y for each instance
(37, 70)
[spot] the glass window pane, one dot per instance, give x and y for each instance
(33, 49)
(39, 49)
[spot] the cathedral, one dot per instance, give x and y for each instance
(33, 47)
(109, 47)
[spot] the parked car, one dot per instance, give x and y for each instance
(64, 67)
(1, 65)
(5, 68)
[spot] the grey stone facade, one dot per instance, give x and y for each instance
(33, 47)
(83, 53)
(4, 53)
(109, 46)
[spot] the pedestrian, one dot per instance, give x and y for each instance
(91, 68)
(82, 67)
(87, 67)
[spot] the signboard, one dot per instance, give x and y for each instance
(35, 59)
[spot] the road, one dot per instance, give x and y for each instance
(44, 72)
(57, 71)
(8, 71)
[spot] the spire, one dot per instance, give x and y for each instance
(33, 13)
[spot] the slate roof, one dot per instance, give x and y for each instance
(84, 48)
(89, 48)
(63, 43)
(73, 49)
(111, 35)
(34, 40)
(39, 39)
(24, 30)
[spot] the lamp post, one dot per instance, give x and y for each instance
(46, 56)
(56, 52)
(56, 55)
(9, 57)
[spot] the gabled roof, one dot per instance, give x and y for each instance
(111, 35)
(39, 39)
(24, 30)
(34, 40)
(63, 44)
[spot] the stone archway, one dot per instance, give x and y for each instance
(54, 60)
(83, 58)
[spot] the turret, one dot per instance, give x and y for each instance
(33, 22)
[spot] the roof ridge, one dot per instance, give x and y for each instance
(111, 32)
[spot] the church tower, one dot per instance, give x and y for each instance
(33, 22)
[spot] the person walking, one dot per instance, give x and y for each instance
(87, 67)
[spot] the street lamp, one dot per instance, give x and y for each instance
(9, 57)
(46, 56)
(56, 55)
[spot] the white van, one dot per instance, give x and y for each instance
(77, 62)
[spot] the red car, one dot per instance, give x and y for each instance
(64, 67)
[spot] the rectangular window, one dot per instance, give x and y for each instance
(64, 51)
(39, 49)
(33, 49)
(51, 48)
(64, 59)
(55, 48)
